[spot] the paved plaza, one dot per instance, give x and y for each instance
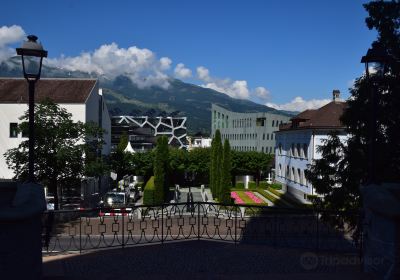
(202, 260)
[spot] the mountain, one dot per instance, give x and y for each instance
(180, 99)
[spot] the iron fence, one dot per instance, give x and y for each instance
(97, 228)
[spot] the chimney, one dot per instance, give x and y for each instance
(336, 95)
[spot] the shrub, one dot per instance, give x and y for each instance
(276, 186)
(150, 196)
(252, 185)
(263, 184)
(239, 185)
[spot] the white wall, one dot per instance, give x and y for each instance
(93, 106)
(313, 139)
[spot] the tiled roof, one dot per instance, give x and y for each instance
(327, 116)
(13, 90)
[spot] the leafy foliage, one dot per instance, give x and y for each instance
(59, 145)
(344, 168)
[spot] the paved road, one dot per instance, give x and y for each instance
(202, 260)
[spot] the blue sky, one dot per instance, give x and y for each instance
(286, 49)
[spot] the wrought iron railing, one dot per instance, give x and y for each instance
(79, 230)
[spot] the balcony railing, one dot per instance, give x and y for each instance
(90, 229)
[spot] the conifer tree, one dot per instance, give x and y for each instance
(226, 176)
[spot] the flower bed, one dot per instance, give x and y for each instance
(246, 197)
(254, 197)
(237, 198)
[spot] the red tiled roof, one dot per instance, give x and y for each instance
(327, 116)
(14, 90)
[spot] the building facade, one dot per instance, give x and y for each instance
(297, 145)
(198, 142)
(247, 131)
(143, 131)
(80, 97)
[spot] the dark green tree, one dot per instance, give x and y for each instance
(161, 169)
(60, 145)
(251, 163)
(120, 160)
(351, 171)
(226, 175)
(215, 166)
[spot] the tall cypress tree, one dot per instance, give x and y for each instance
(159, 171)
(215, 167)
(212, 162)
(226, 176)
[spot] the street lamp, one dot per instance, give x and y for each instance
(376, 57)
(32, 54)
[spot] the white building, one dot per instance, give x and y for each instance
(198, 142)
(247, 131)
(297, 142)
(80, 97)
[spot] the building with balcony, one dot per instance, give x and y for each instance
(80, 97)
(142, 131)
(247, 131)
(297, 143)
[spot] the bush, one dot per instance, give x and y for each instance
(252, 185)
(150, 196)
(276, 186)
(239, 185)
(263, 185)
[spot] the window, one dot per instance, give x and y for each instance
(13, 130)
(292, 174)
(272, 136)
(298, 177)
(280, 170)
(292, 151)
(263, 136)
(287, 172)
(260, 122)
(25, 132)
(267, 136)
(273, 122)
(270, 150)
(298, 150)
(280, 148)
(305, 151)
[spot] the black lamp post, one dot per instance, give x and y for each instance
(376, 57)
(32, 54)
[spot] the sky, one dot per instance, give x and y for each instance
(285, 54)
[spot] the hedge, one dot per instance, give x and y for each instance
(263, 184)
(150, 196)
(239, 185)
(252, 185)
(276, 186)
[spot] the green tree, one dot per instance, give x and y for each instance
(60, 145)
(226, 176)
(215, 166)
(251, 163)
(199, 163)
(161, 169)
(120, 160)
(351, 171)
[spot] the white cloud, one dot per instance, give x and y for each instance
(203, 74)
(140, 65)
(262, 92)
(9, 35)
(235, 88)
(299, 104)
(182, 72)
(165, 63)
